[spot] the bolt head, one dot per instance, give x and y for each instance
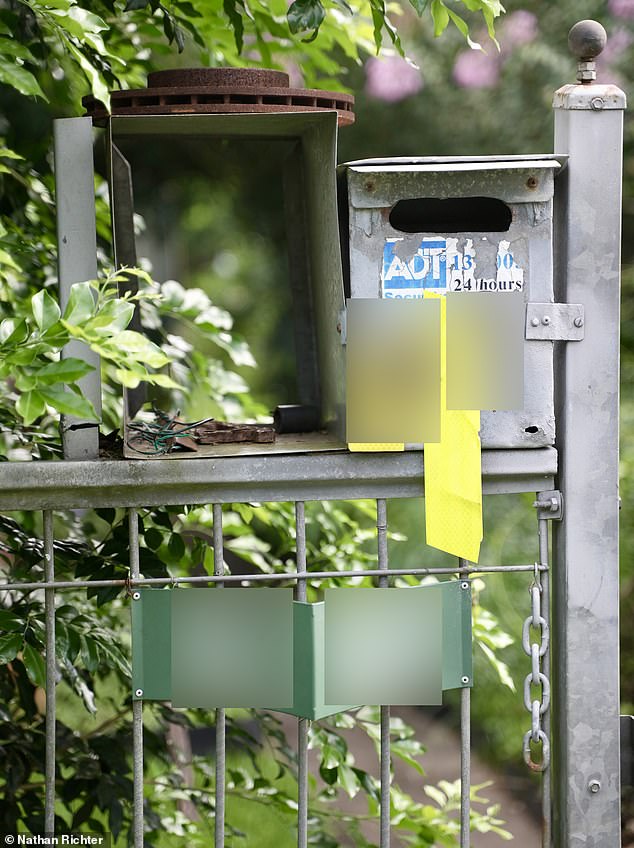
(594, 786)
(535, 322)
(545, 320)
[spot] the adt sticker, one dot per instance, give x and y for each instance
(425, 271)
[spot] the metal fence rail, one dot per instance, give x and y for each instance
(463, 571)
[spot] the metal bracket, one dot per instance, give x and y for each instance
(550, 505)
(557, 322)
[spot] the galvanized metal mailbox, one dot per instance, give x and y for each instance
(481, 224)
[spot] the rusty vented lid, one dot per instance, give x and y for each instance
(204, 91)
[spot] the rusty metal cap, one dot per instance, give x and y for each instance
(200, 91)
(215, 77)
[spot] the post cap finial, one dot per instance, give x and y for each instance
(586, 41)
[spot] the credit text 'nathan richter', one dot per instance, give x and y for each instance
(62, 839)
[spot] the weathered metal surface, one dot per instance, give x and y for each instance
(220, 90)
(527, 186)
(69, 485)
(604, 98)
(586, 567)
(315, 256)
(558, 322)
(77, 261)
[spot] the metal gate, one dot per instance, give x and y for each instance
(71, 484)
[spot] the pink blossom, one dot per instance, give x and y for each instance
(475, 69)
(518, 28)
(392, 79)
(622, 8)
(618, 42)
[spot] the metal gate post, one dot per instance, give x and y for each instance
(589, 129)
(77, 260)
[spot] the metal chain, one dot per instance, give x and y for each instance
(536, 706)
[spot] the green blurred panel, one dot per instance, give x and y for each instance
(384, 646)
(457, 654)
(232, 648)
(309, 664)
(152, 644)
(241, 649)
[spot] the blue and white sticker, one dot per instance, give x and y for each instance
(439, 265)
(425, 271)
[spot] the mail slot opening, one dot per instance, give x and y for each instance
(453, 215)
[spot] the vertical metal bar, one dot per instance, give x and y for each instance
(219, 568)
(542, 529)
(302, 723)
(51, 675)
(137, 706)
(383, 565)
(77, 259)
(465, 749)
(465, 767)
(586, 767)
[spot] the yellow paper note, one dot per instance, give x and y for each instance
(453, 476)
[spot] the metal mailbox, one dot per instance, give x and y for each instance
(468, 224)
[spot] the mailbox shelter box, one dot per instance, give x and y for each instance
(302, 146)
(460, 224)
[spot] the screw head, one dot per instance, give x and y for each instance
(594, 786)
(535, 322)
(545, 320)
(465, 679)
(139, 693)
(578, 322)
(136, 596)
(464, 585)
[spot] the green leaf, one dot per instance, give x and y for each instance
(235, 18)
(45, 310)
(305, 16)
(440, 16)
(11, 47)
(153, 538)
(176, 547)
(69, 403)
(81, 304)
(9, 647)
(10, 621)
(127, 379)
(89, 653)
(13, 331)
(19, 78)
(30, 406)
(8, 260)
(419, 6)
(464, 29)
(65, 371)
(35, 665)
(133, 5)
